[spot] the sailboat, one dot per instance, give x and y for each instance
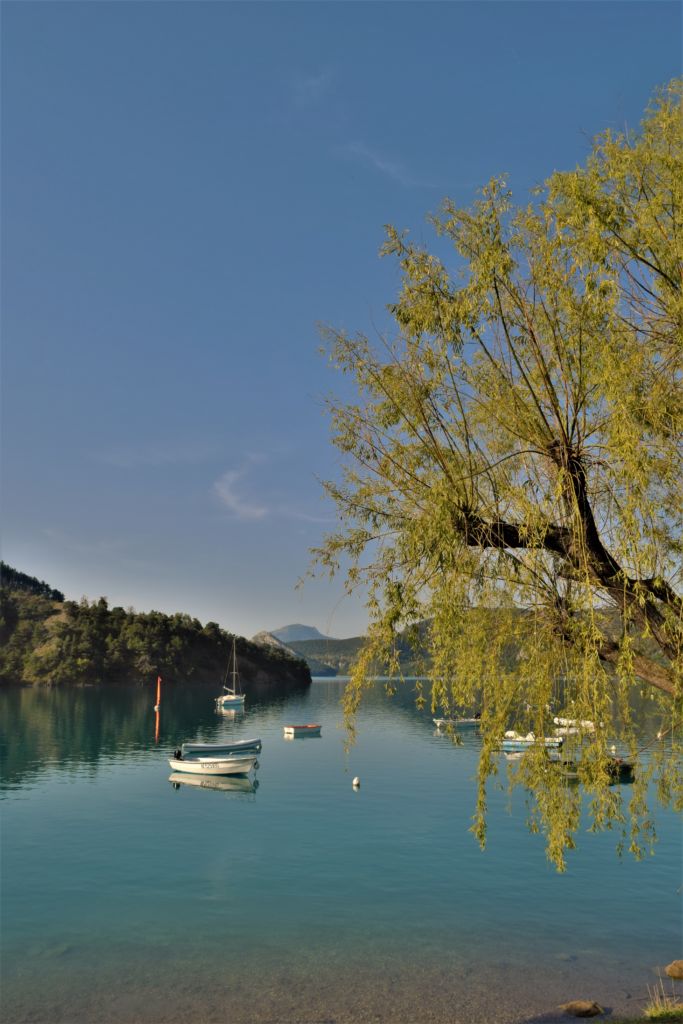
(232, 696)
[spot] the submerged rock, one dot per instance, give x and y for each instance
(582, 1008)
(674, 969)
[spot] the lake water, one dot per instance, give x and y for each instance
(303, 900)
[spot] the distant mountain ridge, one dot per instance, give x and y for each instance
(264, 637)
(297, 631)
(328, 656)
(339, 656)
(318, 668)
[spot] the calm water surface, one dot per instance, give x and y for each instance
(128, 900)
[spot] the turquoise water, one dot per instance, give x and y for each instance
(301, 899)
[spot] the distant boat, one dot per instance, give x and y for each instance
(311, 729)
(577, 724)
(618, 769)
(460, 723)
(512, 741)
(232, 696)
(232, 784)
(237, 764)
(212, 749)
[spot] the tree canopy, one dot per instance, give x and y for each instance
(513, 468)
(46, 640)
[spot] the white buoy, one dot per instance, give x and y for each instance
(613, 749)
(356, 783)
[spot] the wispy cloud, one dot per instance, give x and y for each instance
(157, 453)
(232, 489)
(309, 90)
(228, 490)
(385, 164)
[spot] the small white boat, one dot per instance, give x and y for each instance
(232, 697)
(583, 724)
(230, 701)
(230, 784)
(211, 749)
(512, 741)
(458, 723)
(566, 730)
(292, 731)
(238, 764)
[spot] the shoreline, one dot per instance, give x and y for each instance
(164, 990)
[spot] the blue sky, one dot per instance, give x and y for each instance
(188, 190)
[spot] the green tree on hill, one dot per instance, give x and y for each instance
(52, 642)
(515, 463)
(10, 577)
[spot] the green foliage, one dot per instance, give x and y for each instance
(56, 643)
(514, 464)
(663, 1006)
(15, 580)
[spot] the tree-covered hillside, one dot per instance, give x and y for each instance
(47, 640)
(338, 657)
(15, 580)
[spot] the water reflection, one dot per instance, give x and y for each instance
(328, 897)
(232, 714)
(69, 728)
(221, 783)
(43, 729)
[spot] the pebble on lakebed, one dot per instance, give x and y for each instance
(674, 969)
(582, 1008)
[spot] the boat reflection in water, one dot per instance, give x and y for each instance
(226, 784)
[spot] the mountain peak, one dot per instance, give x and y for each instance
(297, 631)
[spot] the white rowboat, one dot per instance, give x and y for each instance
(312, 729)
(584, 724)
(211, 749)
(513, 741)
(239, 764)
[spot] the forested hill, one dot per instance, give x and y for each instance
(45, 639)
(12, 579)
(327, 656)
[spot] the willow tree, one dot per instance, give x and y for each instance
(513, 471)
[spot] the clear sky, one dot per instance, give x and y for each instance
(188, 190)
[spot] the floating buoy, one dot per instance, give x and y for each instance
(356, 783)
(613, 749)
(157, 706)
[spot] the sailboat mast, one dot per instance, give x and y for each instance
(234, 665)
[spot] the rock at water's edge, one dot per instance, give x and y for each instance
(674, 969)
(582, 1008)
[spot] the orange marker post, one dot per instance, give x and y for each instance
(158, 703)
